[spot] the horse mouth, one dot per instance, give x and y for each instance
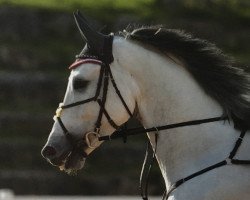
(73, 163)
(69, 162)
(73, 160)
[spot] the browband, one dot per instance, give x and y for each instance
(84, 61)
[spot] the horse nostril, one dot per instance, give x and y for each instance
(48, 152)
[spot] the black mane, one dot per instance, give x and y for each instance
(213, 70)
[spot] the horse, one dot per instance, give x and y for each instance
(191, 98)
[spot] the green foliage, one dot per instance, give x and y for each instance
(103, 10)
(76, 4)
(107, 10)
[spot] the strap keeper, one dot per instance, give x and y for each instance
(156, 129)
(109, 138)
(97, 130)
(229, 161)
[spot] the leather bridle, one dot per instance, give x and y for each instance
(104, 58)
(100, 97)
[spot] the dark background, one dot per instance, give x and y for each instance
(38, 41)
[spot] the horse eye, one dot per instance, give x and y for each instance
(80, 84)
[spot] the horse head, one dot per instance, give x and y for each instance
(93, 105)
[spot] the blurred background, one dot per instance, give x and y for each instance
(39, 40)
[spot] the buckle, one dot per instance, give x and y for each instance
(92, 139)
(229, 161)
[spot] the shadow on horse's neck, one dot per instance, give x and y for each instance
(169, 94)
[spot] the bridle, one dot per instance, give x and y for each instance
(105, 77)
(104, 59)
(100, 97)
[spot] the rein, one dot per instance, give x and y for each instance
(228, 161)
(141, 130)
(151, 153)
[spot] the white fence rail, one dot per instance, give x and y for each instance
(6, 194)
(80, 198)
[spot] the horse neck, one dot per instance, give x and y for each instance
(169, 94)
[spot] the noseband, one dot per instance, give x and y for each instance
(100, 97)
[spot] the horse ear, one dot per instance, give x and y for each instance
(94, 39)
(97, 43)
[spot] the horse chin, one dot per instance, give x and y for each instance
(72, 164)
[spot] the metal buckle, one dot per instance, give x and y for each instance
(88, 139)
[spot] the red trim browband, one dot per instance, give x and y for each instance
(84, 61)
